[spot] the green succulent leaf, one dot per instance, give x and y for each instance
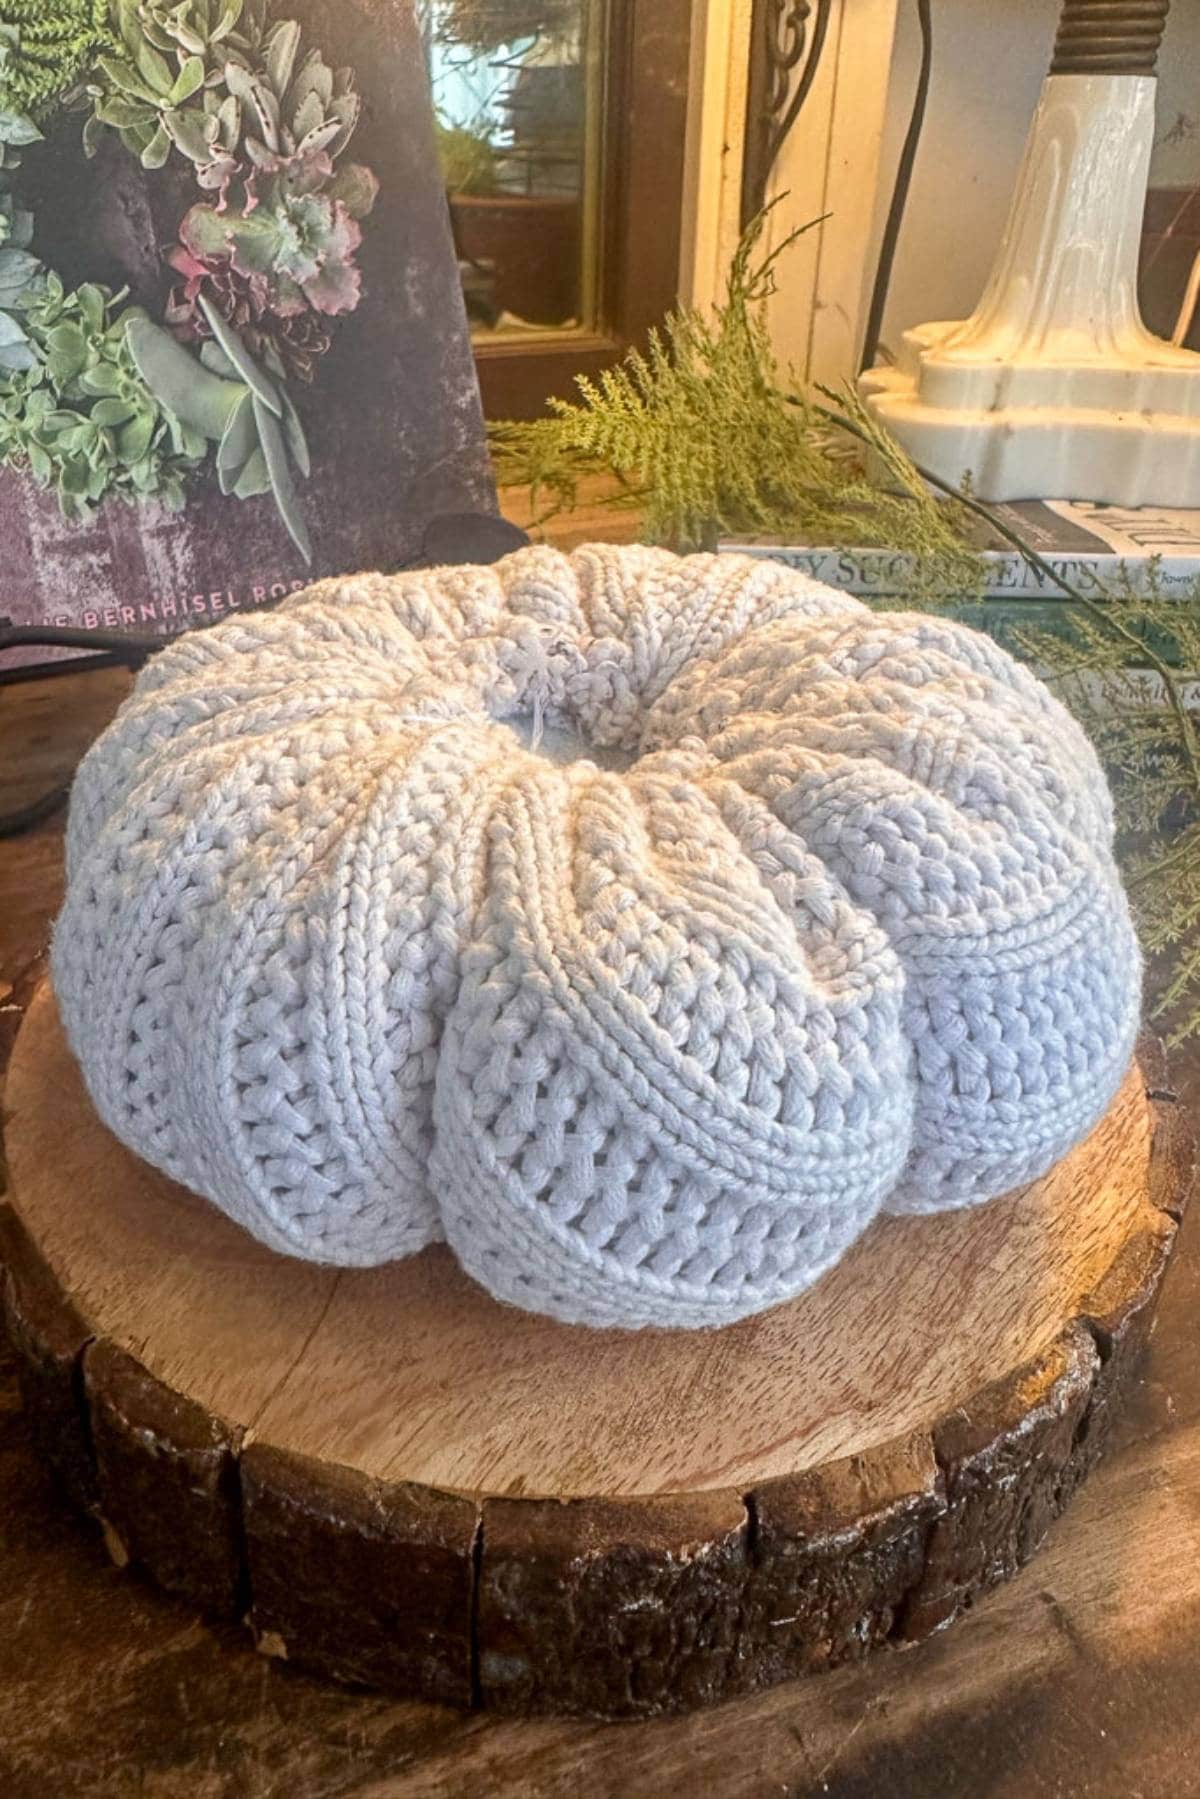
(314, 77)
(282, 486)
(158, 36)
(61, 423)
(189, 80)
(293, 432)
(16, 352)
(75, 478)
(184, 440)
(68, 350)
(121, 113)
(129, 24)
(260, 385)
(308, 116)
(229, 14)
(347, 110)
(18, 129)
(155, 70)
(113, 412)
(134, 439)
(254, 478)
(178, 381)
(229, 122)
(282, 43)
(102, 380)
(238, 445)
(91, 302)
(124, 77)
(158, 149)
(192, 133)
(18, 269)
(253, 91)
(319, 138)
(213, 357)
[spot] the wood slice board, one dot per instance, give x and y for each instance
(397, 1480)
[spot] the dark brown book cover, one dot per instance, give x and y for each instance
(391, 414)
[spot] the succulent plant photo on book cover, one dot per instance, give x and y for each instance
(185, 223)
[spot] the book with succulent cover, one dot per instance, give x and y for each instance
(233, 351)
(1095, 548)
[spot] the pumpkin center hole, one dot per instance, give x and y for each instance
(566, 743)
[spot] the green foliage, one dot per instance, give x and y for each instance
(150, 85)
(46, 47)
(16, 232)
(98, 400)
(199, 27)
(262, 123)
(17, 131)
(74, 410)
(212, 80)
(299, 245)
(467, 158)
(19, 273)
(231, 401)
(705, 440)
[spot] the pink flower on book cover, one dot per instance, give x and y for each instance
(289, 344)
(301, 244)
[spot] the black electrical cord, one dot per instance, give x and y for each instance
(26, 818)
(899, 201)
(119, 646)
(115, 646)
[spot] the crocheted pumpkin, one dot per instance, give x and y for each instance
(647, 1043)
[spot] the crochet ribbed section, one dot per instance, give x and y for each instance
(825, 921)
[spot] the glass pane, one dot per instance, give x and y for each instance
(517, 93)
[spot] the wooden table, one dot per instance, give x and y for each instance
(1081, 1677)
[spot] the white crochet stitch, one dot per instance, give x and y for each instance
(647, 1044)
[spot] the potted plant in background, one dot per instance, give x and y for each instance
(467, 158)
(514, 168)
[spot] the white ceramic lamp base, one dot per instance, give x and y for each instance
(1054, 388)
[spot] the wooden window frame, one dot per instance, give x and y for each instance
(644, 98)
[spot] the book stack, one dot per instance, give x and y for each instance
(1095, 548)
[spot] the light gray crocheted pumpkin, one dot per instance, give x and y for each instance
(648, 1043)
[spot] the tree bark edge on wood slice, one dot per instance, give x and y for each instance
(48, 1338)
(610, 1607)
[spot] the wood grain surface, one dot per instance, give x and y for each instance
(413, 1373)
(398, 1481)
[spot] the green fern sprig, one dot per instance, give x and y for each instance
(706, 435)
